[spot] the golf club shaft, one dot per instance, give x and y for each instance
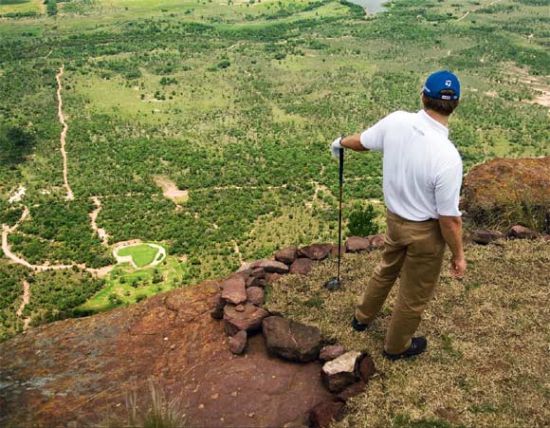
(341, 185)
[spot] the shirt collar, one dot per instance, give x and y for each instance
(434, 124)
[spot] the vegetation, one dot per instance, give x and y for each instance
(236, 103)
(362, 221)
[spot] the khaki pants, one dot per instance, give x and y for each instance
(414, 249)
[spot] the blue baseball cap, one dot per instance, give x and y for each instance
(442, 85)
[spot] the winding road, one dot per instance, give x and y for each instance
(101, 233)
(25, 301)
(63, 136)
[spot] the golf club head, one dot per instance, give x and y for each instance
(333, 284)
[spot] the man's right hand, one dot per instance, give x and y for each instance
(458, 267)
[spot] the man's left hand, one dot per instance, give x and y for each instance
(336, 146)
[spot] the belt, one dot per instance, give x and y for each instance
(398, 217)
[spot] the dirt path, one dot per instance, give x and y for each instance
(63, 135)
(238, 252)
(101, 233)
(6, 230)
(25, 302)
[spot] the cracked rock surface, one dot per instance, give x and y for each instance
(79, 371)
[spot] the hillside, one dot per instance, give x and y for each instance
(203, 127)
(486, 365)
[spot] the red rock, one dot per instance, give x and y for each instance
(291, 340)
(353, 390)
(257, 272)
(331, 352)
(484, 237)
(250, 319)
(237, 343)
(356, 244)
(255, 295)
(255, 282)
(495, 189)
(339, 373)
(334, 250)
(366, 367)
(315, 251)
(301, 266)
(323, 414)
(377, 242)
(271, 266)
(521, 232)
(287, 255)
(234, 290)
(92, 363)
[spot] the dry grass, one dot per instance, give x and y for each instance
(487, 363)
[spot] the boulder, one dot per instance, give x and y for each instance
(249, 319)
(257, 272)
(217, 312)
(352, 390)
(237, 343)
(377, 242)
(331, 352)
(366, 367)
(255, 295)
(286, 255)
(291, 340)
(234, 289)
(271, 266)
(326, 412)
(484, 237)
(301, 266)
(521, 232)
(253, 281)
(341, 372)
(356, 244)
(495, 190)
(315, 251)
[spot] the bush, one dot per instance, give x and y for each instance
(362, 221)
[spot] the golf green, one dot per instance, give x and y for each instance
(142, 254)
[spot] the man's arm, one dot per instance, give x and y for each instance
(451, 229)
(353, 142)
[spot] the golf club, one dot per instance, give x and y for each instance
(335, 283)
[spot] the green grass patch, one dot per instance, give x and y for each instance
(142, 254)
(125, 285)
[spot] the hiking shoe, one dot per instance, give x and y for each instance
(418, 345)
(357, 325)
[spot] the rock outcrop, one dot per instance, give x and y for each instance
(78, 371)
(509, 191)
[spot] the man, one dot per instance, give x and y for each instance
(422, 175)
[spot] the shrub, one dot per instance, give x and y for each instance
(362, 221)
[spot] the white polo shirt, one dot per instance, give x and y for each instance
(422, 170)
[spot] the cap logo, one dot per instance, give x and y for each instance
(448, 83)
